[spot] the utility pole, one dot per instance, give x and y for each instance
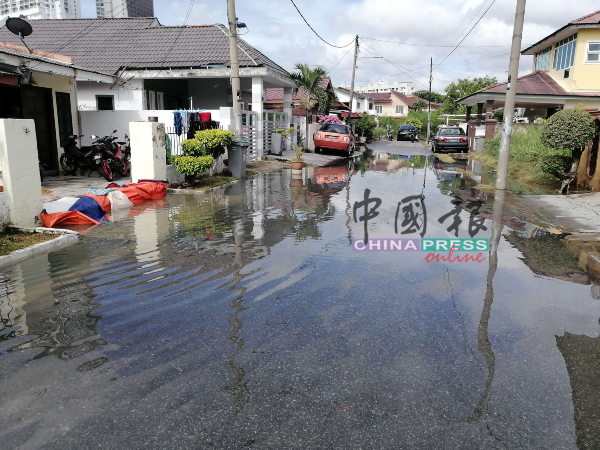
(235, 65)
(509, 103)
(429, 109)
(353, 77)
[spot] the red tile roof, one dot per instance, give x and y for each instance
(381, 97)
(276, 94)
(590, 18)
(536, 83)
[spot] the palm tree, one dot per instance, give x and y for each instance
(311, 80)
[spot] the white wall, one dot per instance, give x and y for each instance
(102, 123)
(126, 98)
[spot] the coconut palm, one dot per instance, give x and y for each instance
(311, 80)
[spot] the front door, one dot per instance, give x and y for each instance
(37, 105)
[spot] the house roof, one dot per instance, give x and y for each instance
(275, 95)
(590, 21)
(536, 83)
(383, 97)
(106, 45)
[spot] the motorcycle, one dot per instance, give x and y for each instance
(84, 159)
(115, 156)
(390, 135)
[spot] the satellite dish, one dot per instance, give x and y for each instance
(19, 27)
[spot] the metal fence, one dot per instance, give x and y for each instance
(249, 130)
(177, 139)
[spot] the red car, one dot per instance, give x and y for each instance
(335, 137)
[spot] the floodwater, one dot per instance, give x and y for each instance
(242, 318)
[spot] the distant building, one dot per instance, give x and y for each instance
(404, 87)
(35, 9)
(115, 9)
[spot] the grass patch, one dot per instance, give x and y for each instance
(13, 239)
(526, 156)
(218, 180)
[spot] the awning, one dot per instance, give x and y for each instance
(354, 115)
(9, 78)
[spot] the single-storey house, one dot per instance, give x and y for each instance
(42, 86)
(360, 102)
(397, 105)
(158, 69)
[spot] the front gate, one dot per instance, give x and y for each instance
(273, 121)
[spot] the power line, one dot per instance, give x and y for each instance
(466, 35)
(434, 45)
(313, 30)
(336, 64)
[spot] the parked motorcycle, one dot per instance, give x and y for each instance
(85, 159)
(390, 134)
(117, 159)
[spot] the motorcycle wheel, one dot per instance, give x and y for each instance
(68, 163)
(105, 170)
(124, 169)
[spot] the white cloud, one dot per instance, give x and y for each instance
(278, 31)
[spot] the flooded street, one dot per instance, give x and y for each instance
(243, 318)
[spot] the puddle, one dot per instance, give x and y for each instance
(243, 315)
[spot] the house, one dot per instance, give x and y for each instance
(42, 86)
(397, 105)
(360, 102)
(274, 99)
(565, 73)
(158, 69)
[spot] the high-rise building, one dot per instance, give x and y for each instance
(41, 9)
(112, 9)
(404, 87)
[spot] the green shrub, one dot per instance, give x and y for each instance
(569, 128)
(214, 141)
(557, 166)
(193, 147)
(190, 166)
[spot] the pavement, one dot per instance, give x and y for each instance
(325, 158)
(54, 188)
(575, 213)
(243, 318)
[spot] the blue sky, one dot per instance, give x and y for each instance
(278, 31)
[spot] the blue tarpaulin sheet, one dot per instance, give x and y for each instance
(89, 207)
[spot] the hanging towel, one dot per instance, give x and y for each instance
(178, 123)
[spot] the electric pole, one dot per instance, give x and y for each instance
(511, 92)
(429, 109)
(235, 65)
(353, 77)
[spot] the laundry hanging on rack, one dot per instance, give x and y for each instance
(178, 122)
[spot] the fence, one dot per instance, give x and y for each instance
(177, 139)
(271, 122)
(249, 131)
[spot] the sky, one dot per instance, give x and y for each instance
(430, 28)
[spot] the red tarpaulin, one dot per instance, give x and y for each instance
(66, 218)
(143, 191)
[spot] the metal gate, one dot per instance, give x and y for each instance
(271, 122)
(250, 133)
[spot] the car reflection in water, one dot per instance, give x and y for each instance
(449, 171)
(331, 179)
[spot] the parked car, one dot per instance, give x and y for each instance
(450, 139)
(407, 133)
(335, 137)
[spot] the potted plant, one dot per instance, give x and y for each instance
(298, 162)
(277, 140)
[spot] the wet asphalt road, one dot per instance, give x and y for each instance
(243, 319)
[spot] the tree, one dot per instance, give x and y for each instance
(311, 79)
(435, 97)
(464, 87)
(419, 105)
(569, 129)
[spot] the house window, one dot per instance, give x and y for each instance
(378, 109)
(370, 106)
(65, 119)
(105, 102)
(542, 59)
(593, 53)
(564, 53)
(358, 106)
(399, 109)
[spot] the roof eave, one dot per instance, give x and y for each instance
(532, 50)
